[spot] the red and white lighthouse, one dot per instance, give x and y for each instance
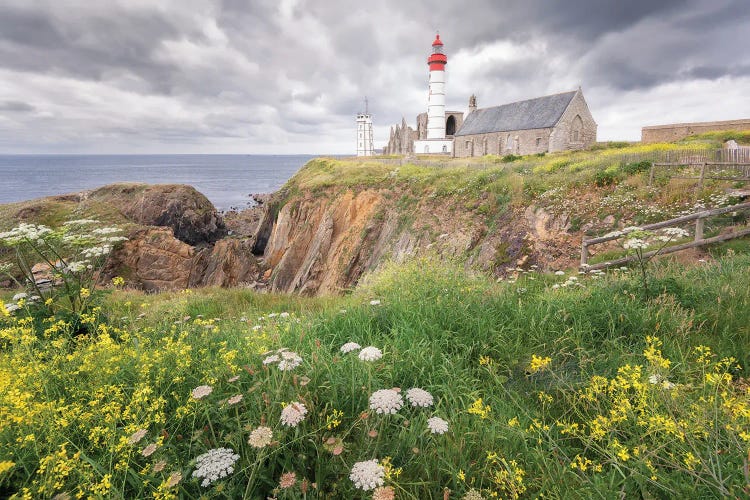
(436, 99)
(435, 141)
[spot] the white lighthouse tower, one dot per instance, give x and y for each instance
(364, 133)
(436, 141)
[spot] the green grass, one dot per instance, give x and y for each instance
(460, 337)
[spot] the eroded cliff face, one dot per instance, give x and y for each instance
(323, 242)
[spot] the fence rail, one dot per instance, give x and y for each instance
(698, 240)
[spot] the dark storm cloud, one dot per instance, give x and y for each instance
(296, 71)
(16, 106)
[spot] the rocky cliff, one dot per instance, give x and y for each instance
(322, 242)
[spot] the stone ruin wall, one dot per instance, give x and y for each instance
(677, 131)
(523, 142)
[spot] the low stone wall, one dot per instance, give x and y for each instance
(677, 131)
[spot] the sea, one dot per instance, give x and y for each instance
(226, 180)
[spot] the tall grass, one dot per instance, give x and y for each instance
(545, 389)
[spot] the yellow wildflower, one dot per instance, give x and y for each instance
(538, 363)
(479, 408)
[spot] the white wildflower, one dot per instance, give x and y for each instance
(437, 425)
(19, 296)
(635, 244)
(274, 358)
(106, 230)
(214, 465)
(657, 379)
(293, 414)
(260, 437)
(80, 222)
(76, 266)
(137, 436)
(559, 273)
(367, 475)
(386, 401)
(202, 391)
(290, 361)
(284, 315)
(419, 397)
(675, 232)
(234, 399)
(349, 347)
(375, 302)
(370, 353)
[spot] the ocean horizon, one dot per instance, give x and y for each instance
(227, 180)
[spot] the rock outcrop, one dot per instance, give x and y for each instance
(153, 259)
(323, 242)
(192, 217)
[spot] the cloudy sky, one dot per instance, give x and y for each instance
(288, 76)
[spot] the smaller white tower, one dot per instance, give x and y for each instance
(364, 133)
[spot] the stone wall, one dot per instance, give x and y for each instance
(564, 137)
(522, 142)
(677, 131)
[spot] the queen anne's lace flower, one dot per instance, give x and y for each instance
(288, 479)
(367, 475)
(386, 401)
(437, 425)
(349, 347)
(274, 358)
(635, 244)
(419, 397)
(202, 391)
(370, 353)
(289, 361)
(214, 465)
(383, 493)
(260, 437)
(234, 399)
(293, 414)
(137, 436)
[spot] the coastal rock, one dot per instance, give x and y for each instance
(192, 217)
(153, 259)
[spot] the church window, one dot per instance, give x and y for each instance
(576, 130)
(509, 143)
(445, 148)
(499, 146)
(484, 146)
(538, 141)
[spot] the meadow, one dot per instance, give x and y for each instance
(426, 382)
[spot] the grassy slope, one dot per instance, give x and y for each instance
(459, 337)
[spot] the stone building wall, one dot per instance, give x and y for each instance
(564, 134)
(522, 142)
(677, 131)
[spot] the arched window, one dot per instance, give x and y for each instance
(450, 125)
(500, 146)
(484, 146)
(576, 129)
(509, 143)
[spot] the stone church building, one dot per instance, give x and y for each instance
(542, 125)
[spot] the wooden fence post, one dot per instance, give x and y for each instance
(584, 253)
(651, 175)
(699, 229)
(703, 176)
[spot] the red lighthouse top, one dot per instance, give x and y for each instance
(437, 59)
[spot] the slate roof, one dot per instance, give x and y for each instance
(542, 112)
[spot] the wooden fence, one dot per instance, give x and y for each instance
(726, 171)
(698, 240)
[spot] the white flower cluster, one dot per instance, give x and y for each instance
(657, 379)
(367, 475)
(76, 266)
(97, 251)
(24, 231)
(349, 347)
(106, 230)
(437, 425)
(635, 244)
(293, 414)
(370, 353)
(286, 359)
(202, 391)
(260, 437)
(386, 401)
(80, 222)
(675, 232)
(419, 397)
(214, 465)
